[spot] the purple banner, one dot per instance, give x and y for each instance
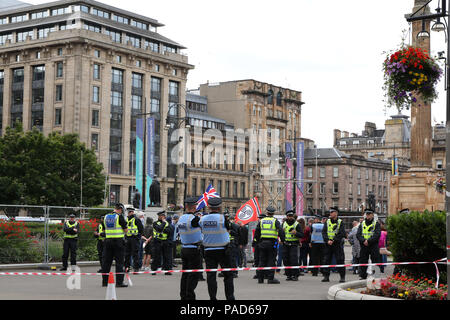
(289, 174)
(299, 185)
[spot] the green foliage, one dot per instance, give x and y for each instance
(418, 237)
(39, 170)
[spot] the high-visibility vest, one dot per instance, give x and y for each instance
(100, 231)
(332, 230)
(368, 230)
(70, 225)
(132, 227)
(289, 236)
(268, 228)
(159, 235)
(113, 230)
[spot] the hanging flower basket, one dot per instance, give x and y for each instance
(409, 73)
(440, 185)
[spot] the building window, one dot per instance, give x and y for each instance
(309, 188)
(60, 51)
(95, 118)
(227, 189)
(38, 54)
(95, 94)
(359, 189)
(322, 188)
(94, 141)
(194, 186)
(350, 188)
(97, 53)
(59, 69)
(243, 190)
(59, 93)
(58, 116)
(335, 187)
(279, 98)
(322, 172)
(118, 59)
(367, 174)
(359, 173)
(96, 72)
(439, 164)
(335, 172)
(270, 97)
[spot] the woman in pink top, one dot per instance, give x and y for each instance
(382, 244)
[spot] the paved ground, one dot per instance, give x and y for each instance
(162, 287)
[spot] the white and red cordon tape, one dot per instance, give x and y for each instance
(440, 261)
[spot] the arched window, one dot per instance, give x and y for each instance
(279, 97)
(270, 97)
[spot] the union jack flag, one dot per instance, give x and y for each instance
(203, 200)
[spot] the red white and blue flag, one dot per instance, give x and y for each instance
(202, 202)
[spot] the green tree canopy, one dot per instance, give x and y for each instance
(39, 170)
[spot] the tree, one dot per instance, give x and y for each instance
(39, 170)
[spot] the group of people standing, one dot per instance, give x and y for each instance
(216, 239)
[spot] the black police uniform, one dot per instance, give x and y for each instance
(268, 251)
(161, 248)
(371, 250)
(100, 243)
(290, 249)
(132, 243)
(70, 245)
(114, 248)
(335, 249)
(255, 245)
(191, 258)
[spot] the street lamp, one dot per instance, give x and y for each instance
(173, 122)
(439, 26)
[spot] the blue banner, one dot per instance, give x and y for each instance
(150, 158)
(140, 157)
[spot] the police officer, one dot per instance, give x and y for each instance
(216, 240)
(267, 232)
(255, 245)
(333, 234)
(132, 240)
(234, 244)
(71, 229)
(292, 234)
(115, 228)
(99, 234)
(161, 246)
(317, 245)
(191, 239)
(368, 234)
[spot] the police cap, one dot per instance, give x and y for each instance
(270, 209)
(190, 200)
(131, 209)
(368, 211)
(72, 215)
(161, 213)
(335, 209)
(214, 202)
(290, 213)
(119, 206)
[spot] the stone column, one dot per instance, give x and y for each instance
(421, 139)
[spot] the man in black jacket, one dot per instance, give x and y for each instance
(333, 234)
(368, 234)
(243, 242)
(132, 240)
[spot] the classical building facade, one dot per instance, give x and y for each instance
(259, 108)
(345, 181)
(89, 68)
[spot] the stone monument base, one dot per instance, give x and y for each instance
(151, 212)
(416, 190)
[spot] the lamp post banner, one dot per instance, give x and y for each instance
(299, 184)
(150, 158)
(139, 156)
(289, 174)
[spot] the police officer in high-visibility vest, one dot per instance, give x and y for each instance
(368, 234)
(292, 234)
(216, 240)
(161, 247)
(191, 238)
(132, 240)
(115, 227)
(267, 232)
(333, 235)
(99, 234)
(71, 230)
(317, 245)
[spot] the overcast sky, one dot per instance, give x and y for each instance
(331, 51)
